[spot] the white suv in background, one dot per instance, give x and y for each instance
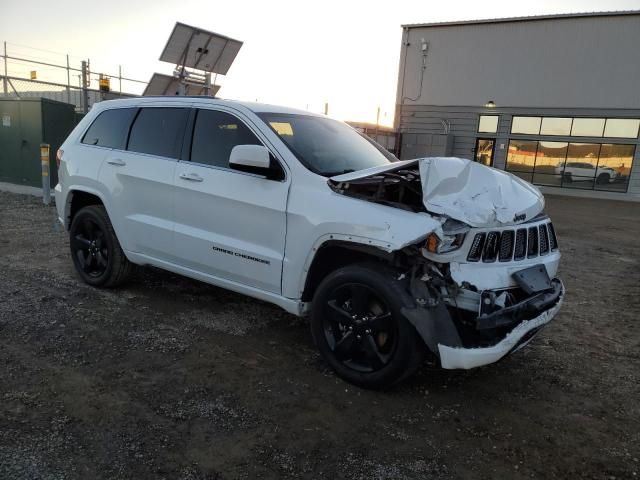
(391, 260)
(585, 171)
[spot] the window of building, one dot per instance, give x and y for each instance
(550, 157)
(614, 167)
(580, 166)
(214, 136)
(158, 131)
(587, 127)
(572, 164)
(521, 158)
(526, 125)
(110, 128)
(621, 128)
(488, 124)
(556, 126)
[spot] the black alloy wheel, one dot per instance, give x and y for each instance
(95, 250)
(359, 329)
(90, 248)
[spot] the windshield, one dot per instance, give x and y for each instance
(326, 147)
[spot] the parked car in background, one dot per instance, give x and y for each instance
(390, 260)
(585, 171)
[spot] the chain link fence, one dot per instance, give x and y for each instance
(25, 88)
(51, 79)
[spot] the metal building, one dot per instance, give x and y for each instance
(552, 99)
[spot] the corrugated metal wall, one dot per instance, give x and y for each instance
(564, 62)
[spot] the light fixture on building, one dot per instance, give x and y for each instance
(490, 104)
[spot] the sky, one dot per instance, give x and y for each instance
(296, 53)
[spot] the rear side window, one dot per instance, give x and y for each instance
(214, 136)
(158, 131)
(110, 128)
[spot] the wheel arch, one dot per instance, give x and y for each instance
(78, 198)
(333, 254)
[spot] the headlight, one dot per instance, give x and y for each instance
(451, 238)
(448, 243)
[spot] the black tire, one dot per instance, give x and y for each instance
(568, 178)
(346, 342)
(95, 250)
(603, 179)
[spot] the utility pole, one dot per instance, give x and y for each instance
(4, 79)
(68, 81)
(120, 79)
(85, 85)
(326, 108)
(377, 124)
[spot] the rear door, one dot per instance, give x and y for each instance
(229, 224)
(140, 180)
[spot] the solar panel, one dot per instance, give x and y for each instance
(193, 47)
(161, 84)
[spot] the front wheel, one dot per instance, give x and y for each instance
(358, 327)
(95, 250)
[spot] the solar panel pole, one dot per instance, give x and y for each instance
(207, 84)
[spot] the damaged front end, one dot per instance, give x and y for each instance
(482, 284)
(468, 328)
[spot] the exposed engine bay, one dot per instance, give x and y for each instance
(452, 187)
(397, 188)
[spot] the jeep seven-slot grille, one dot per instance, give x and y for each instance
(513, 245)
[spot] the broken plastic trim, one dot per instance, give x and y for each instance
(521, 310)
(453, 356)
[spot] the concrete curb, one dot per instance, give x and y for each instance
(22, 189)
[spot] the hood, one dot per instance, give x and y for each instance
(466, 191)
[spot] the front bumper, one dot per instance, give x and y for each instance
(544, 310)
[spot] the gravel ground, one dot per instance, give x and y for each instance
(171, 378)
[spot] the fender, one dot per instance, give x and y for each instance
(83, 188)
(384, 246)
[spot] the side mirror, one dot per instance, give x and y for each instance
(255, 159)
(250, 158)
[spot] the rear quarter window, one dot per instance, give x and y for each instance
(110, 128)
(158, 131)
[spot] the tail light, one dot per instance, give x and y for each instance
(59, 154)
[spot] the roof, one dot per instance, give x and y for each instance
(533, 18)
(202, 100)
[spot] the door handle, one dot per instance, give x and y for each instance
(117, 162)
(192, 177)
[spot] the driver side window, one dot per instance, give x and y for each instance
(214, 136)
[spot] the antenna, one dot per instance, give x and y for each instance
(196, 54)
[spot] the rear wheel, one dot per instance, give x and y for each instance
(568, 178)
(603, 179)
(95, 250)
(358, 327)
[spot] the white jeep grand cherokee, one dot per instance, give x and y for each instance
(391, 260)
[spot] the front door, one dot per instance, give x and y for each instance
(485, 148)
(228, 224)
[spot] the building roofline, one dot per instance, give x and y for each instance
(533, 18)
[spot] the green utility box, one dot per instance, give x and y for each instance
(24, 124)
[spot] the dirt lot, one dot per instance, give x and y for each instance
(172, 378)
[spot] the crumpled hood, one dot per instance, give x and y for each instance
(478, 195)
(467, 191)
